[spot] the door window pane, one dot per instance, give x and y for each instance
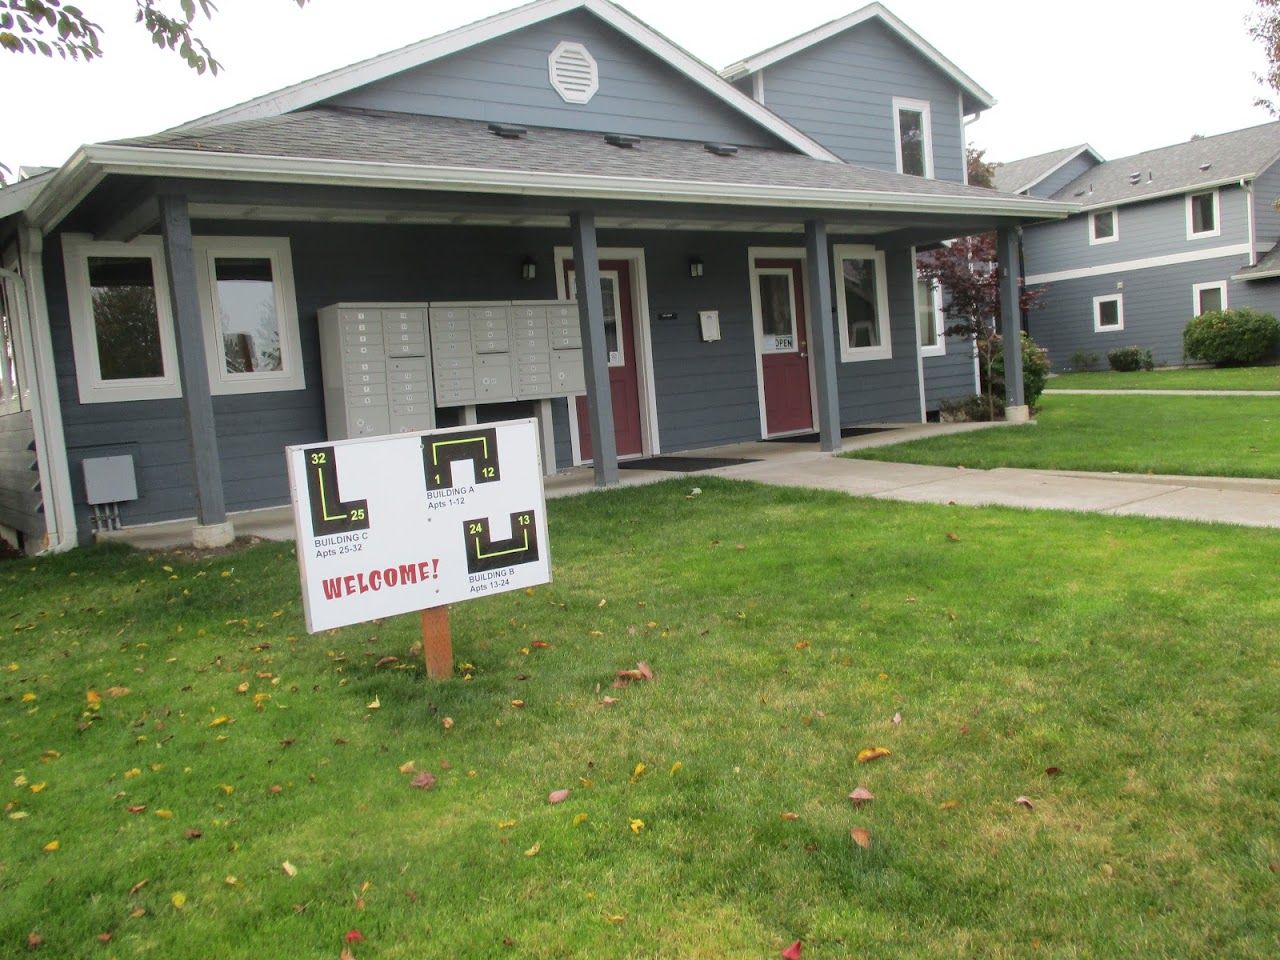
(911, 137)
(126, 324)
(777, 307)
(245, 292)
(859, 292)
(1210, 299)
(609, 297)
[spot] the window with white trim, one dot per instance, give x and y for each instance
(1203, 215)
(1108, 313)
(1104, 227)
(862, 303)
(930, 321)
(250, 314)
(913, 136)
(122, 327)
(10, 380)
(1208, 297)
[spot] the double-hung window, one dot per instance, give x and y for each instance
(1203, 215)
(862, 303)
(913, 137)
(122, 325)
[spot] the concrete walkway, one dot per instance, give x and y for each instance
(1165, 393)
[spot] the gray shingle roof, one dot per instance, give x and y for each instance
(1018, 175)
(1268, 266)
(344, 134)
(1230, 156)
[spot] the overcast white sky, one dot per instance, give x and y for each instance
(1123, 75)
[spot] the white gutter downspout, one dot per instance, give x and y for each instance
(1247, 186)
(46, 411)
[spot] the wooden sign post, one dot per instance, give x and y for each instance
(437, 643)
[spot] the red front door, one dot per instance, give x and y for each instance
(783, 344)
(624, 377)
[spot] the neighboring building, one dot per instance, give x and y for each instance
(1161, 237)
(165, 296)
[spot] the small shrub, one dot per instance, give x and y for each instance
(970, 409)
(1126, 359)
(1035, 368)
(1084, 360)
(1232, 337)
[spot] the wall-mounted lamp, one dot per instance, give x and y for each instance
(695, 267)
(529, 269)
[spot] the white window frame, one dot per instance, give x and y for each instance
(1094, 239)
(1217, 215)
(1199, 288)
(923, 107)
(863, 251)
(15, 396)
(76, 251)
(939, 349)
(764, 346)
(1118, 299)
(277, 251)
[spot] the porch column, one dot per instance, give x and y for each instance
(595, 349)
(821, 337)
(1010, 323)
(213, 529)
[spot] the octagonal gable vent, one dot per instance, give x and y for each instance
(574, 74)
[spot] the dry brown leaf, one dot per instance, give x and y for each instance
(118, 691)
(386, 662)
(953, 537)
(1025, 802)
(423, 781)
(138, 886)
(289, 869)
(790, 816)
(862, 837)
(608, 701)
(860, 796)
(873, 753)
(645, 671)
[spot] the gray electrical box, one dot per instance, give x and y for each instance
(377, 369)
(109, 480)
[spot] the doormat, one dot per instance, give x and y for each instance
(845, 434)
(682, 464)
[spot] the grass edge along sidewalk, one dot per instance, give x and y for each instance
(197, 777)
(1172, 378)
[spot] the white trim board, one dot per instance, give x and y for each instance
(356, 75)
(1198, 288)
(793, 46)
(1190, 256)
(925, 109)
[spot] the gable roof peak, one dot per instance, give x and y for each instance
(874, 10)
(344, 79)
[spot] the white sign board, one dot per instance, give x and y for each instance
(390, 525)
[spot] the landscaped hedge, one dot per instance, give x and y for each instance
(1232, 337)
(1126, 359)
(1035, 367)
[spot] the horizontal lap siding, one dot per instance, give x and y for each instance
(506, 80)
(706, 393)
(1266, 192)
(20, 498)
(1157, 307)
(1156, 228)
(1060, 178)
(840, 92)
(949, 377)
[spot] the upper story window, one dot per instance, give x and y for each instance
(1104, 227)
(1203, 215)
(862, 303)
(913, 137)
(122, 328)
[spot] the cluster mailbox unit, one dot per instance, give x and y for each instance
(387, 366)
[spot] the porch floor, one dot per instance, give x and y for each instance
(792, 463)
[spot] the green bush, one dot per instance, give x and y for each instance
(1035, 367)
(972, 408)
(1126, 359)
(1083, 360)
(1231, 337)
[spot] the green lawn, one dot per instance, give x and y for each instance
(1208, 378)
(1204, 436)
(1123, 674)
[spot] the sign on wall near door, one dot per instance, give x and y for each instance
(396, 524)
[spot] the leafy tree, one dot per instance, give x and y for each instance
(51, 27)
(981, 173)
(967, 270)
(1264, 26)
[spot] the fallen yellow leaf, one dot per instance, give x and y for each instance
(20, 780)
(231, 880)
(676, 768)
(533, 851)
(220, 721)
(873, 753)
(374, 704)
(637, 826)
(242, 687)
(130, 774)
(506, 824)
(28, 697)
(19, 815)
(289, 869)
(52, 846)
(579, 819)
(93, 698)
(408, 767)
(638, 772)
(227, 788)
(164, 814)
(38, 787)
(179, 900)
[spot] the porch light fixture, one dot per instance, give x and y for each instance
(695, 267)
(529, 269)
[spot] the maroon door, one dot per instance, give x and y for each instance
(624, 377)
(783, 345)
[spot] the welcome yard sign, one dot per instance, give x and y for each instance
(395, 524)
